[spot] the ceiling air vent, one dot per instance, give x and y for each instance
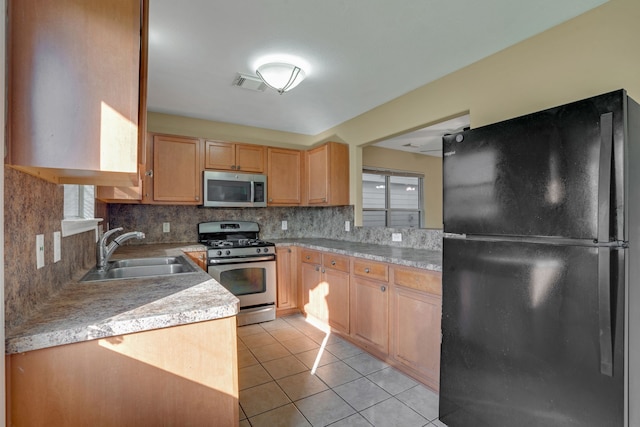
(249, 82)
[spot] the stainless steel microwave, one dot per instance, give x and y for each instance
(231, 189)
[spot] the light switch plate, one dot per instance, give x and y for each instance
(285, 225)
(57, 254)
(396, 237)
(40, 251)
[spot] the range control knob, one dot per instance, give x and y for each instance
(227, 252)
(265, 250)
(258, 250)
(219, 253)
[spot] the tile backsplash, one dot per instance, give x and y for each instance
(314, 222)
(31, 207)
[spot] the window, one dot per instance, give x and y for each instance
(391, 199)
(79, 209)
(79, 201)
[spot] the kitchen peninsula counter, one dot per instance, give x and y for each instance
(83, 311)
(418, 258)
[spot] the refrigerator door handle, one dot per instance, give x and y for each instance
(604, 310)
(604, 177)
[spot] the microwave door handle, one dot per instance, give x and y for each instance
(253, 192)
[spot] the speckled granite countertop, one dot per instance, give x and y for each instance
(420, 258)
(92, 310)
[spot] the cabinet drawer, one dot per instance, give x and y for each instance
(312, 257)
(371, 269)
(422, 280)
(337, 262)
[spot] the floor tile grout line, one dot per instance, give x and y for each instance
(339, 359)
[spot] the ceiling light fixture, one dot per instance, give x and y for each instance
(280, 76)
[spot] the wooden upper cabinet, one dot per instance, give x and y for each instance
(128, 194)
(76, 86)
(284, 180)
(177, 170)
(237, 157)
(328, 175)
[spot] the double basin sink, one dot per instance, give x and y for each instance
(140, 267)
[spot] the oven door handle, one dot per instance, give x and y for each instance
(249, 259)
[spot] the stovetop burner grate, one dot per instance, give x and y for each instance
(229, 239)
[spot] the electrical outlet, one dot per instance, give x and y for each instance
(347, 226)
(284, 225)
(57, 254)
(166, 227)
(40, 251)
(396, 237)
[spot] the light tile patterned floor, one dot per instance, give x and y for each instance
(347, 388)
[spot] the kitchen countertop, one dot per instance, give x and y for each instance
(419, 258)
(84, 311)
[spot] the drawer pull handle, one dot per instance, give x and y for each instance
(333, 263)
(366, 270)
(383, 288)
(317, 268)
(308, 257)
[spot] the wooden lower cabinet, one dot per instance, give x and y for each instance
(179, 376)
(415, 315)
(287, 295)
(199, 257)
(391, 311)
(337, 298)
(325, 291)
(370, 314)
(314, 292)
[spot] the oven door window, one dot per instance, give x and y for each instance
(228, 191)
(244, 281)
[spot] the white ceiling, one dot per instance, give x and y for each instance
(359, 53)
(427, 141)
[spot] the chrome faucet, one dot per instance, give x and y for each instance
(104, 251)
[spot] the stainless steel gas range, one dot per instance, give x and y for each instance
(243, 264)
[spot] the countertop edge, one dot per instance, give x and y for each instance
(338, 246)
(34, 335)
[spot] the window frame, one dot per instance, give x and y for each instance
(388, 210)
(79, 220)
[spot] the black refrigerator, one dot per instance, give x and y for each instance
(541, 268)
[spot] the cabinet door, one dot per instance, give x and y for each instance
(284, 181)
(328, 175)
(337, 298)
(285, 269)
(369, 313)
(314, 291)
(318, 175)
(219, 155)
(176, 170)
(416, 333)
(249, 158)
(74, 89)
